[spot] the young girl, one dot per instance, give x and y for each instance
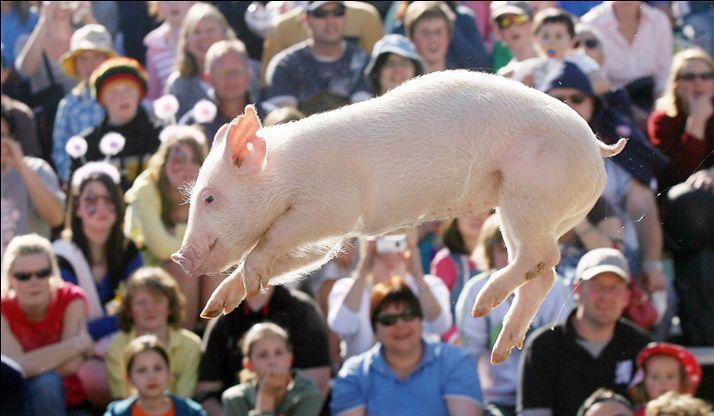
(665, 367)
(269, 385)
(149, 373)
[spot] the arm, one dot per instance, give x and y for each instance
(429, 304)
(320, 376)
(186, 365)
(114, 362)
(60, 136)
(461, 386)
(458, 406)
(30, 57)
(642, 207)
(604, 234)
(48, 358)
(340, 318)
(41, 190)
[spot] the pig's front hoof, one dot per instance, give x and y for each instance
(503, 347)
(183, 262)
(227, 296)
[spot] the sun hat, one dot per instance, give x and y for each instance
(91, 37)
(399, 45)
(114, 69)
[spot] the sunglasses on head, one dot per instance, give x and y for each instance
(508, 20)
(25, 276)
(575, 98)
(591, 43)
(389, 319)
(321, 13)
(691, 76)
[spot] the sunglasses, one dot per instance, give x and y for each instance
(389, 319)
(575, 98)
(25, 276)
(508, 20)
(691, 76)
(591, 43)
(320, 13)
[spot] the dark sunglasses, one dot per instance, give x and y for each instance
(691, 76)
(508, 20)
(389, 319)
(321, 13)
(25, 276)
(591, 43)
(575, 98)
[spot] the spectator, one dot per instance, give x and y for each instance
(148, 371)
(152, 304)
(222, 358)
(478, 335)
(394, 60)
(380, 259)
(162, 44)
(512, 22)
(228, 74)
(18, 20)
(119, 84)
(683, 128)
(605, 402)
(430, 25)
(363, 27)
(664, 367)
(78, 111)
(43, 327)
(630, 176)
(673, 403)
(271, 384)
(593, 339)
(21, 115)
(32, 201)
(156, 214)
(94, 254)
(322, 72)
(402, 373)
(634, 36)
(202, 26)
(695, 21)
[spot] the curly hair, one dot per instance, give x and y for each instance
(160, 283)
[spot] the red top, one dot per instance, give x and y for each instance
(37, 334)
(685, 151)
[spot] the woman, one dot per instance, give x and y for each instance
(43, 327)
(152, 304)
(381, 259)
(408, 375)
(682, 127)
(94, 254)
(202, 26)
(156, 214)
(394, 60)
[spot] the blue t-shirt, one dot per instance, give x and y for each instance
(295, 72)
(367, 381)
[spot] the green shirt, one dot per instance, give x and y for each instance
(301, 399)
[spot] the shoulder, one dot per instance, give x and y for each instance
(69, 292)
(188, 337)
(120, 407)
(185, 406)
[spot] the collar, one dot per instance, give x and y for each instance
(379, 361)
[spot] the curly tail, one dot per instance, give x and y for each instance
(612, 149)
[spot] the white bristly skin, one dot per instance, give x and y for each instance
(279, 200)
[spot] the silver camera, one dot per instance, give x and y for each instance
(390, 244)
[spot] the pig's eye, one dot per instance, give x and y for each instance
(210, 198)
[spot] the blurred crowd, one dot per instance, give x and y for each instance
(109, 109)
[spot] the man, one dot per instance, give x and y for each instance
(322, 72)
(512, 23)
(222, 359)
(562, 365)
(228, 72)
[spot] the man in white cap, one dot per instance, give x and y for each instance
(561, 366)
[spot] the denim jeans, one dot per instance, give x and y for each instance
(44, 395)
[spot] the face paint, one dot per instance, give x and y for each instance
(91, 201)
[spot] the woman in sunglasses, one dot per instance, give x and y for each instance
(402, 373)
(682, 126)
(94, 254)
(44, 327)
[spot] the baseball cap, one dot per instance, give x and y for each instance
(499, 8)
(601, 260)
(568, 75)
(312, 5)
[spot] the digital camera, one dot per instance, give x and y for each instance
(390, 244)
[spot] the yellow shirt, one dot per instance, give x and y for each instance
(184, 353)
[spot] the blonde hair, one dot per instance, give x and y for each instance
(186, 63)
(422, 10)
(670, 102)
(260, 331)
(223, 48)
(489, 237)
(22, 245)
(159, 282)
(673, 403)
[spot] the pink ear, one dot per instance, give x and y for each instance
(246, 149)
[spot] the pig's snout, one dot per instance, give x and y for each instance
(184, 262)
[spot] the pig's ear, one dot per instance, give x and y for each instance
(246, 149)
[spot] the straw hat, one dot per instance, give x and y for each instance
(91, 37)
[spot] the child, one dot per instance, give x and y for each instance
(271, 386)
(665, 367)
(148, 371)
(554, 34)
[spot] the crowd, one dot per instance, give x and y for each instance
(110, 108)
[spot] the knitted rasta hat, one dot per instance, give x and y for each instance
(115, 69)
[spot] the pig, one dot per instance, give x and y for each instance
(278, 201)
